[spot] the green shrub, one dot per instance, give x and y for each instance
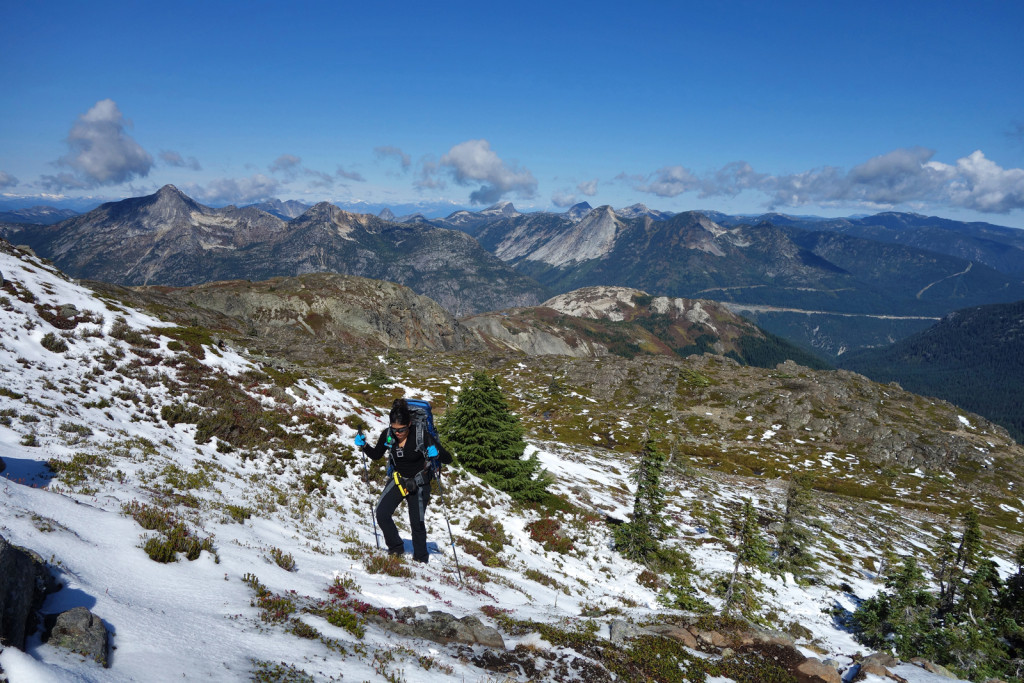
(149, 517)
(121, 330)
(479, 551)
(161, 549)
(52, 342)
(178, 539)
(191, 338)
(81, 467)
(71, 427)
(547, 531)
(282, 559)
(342, 618)
(304, 630)
(239, 513)
(278, 672)
(489, 531)
(392, 565)
(544, 580)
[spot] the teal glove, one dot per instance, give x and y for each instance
(360, 440)
(431, 451)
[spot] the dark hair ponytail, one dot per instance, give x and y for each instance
(400, 412)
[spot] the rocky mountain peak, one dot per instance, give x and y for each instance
(505, 209)
(323, 211)
(698, 220)
(169, 195)
(386, 214)
(170, 191)
(578, 211)
(166, 206)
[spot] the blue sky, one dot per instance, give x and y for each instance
(799, 107)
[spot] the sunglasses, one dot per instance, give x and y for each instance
(399, 430)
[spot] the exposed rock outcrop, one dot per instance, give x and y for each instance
(24, 583)
(441, 627)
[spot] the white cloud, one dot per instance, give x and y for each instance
(732, 179)
(249, 190)
(172, 158)
(588, 187)
(563, 199)
(474, 162)
(7, 180)
(101, 151)
(391, 151)
(287, 164)
(290, 168)
(981, 184)
(429, 177)
(350, 175)
(900, 177)
(670, 181)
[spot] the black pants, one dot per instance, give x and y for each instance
(389, 501)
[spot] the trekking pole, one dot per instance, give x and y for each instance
(373, 517)
(440, 488)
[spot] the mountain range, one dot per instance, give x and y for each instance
(828, 285)
(169, 239)
(39, 215)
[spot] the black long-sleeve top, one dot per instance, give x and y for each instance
(408, 460)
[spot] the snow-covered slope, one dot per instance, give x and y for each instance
(127, 410)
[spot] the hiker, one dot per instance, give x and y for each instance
(413, 455)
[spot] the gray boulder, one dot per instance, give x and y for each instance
(442, 627)
(24, 583)
(676, 633)
(813, 670)
(82, 632)
(620, 629)
(934, 668)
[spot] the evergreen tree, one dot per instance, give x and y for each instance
(889, 562)
(1011, 609)
(640, 539)
(487, 439)
(954, 568)
(945, 563)
(970, 636)
(751, 553)
(900, 614)
(794, 539)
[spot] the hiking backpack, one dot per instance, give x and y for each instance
(423, 419)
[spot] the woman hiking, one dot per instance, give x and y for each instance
(413, 455)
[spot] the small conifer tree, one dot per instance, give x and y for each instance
(889, 562)
(955, 566)
(640, 539)
(901, 614)
(751, 553)
(794, 539)
(487, 439)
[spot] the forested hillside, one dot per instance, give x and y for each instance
(973, 358)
